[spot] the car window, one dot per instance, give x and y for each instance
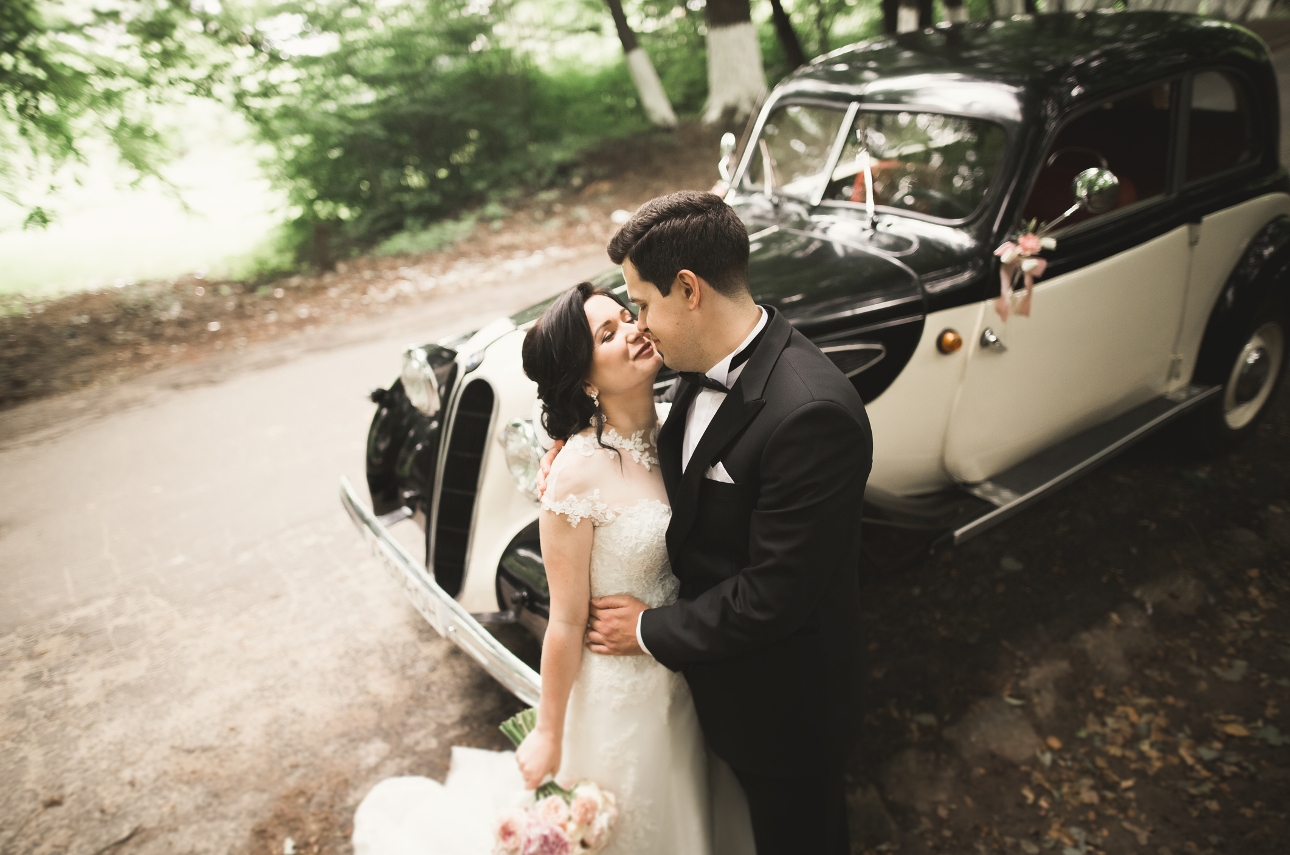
(932, 164)
(792, 151)
(1220, 133)
(1128, 135)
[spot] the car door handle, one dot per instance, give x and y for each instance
(992, 341)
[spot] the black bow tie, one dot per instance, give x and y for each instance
(703, 380)
(706, 382)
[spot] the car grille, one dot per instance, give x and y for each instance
(464, 455)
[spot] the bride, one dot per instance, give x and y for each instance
(625, 722)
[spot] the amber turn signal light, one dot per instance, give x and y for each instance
(949, 341)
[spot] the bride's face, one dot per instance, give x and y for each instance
(623, 359)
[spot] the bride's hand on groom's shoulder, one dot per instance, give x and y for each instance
(538, 758)
(544, 468)
(611, 625)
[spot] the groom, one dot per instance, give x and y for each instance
(765, 456)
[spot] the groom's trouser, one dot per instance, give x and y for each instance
(798, 815)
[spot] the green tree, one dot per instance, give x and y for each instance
(73, 72)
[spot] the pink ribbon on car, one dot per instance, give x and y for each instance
(1020, 257)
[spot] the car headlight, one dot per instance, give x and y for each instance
(524, 453)
(427, 373)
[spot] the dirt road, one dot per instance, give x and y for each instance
(192, 636)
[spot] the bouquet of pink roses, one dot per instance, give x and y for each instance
(576, 821)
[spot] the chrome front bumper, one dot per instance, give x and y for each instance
(443, 613)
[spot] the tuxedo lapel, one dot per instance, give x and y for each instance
(742, 403)
(731, 417)
(672, 435)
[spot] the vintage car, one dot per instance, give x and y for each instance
(876, 184)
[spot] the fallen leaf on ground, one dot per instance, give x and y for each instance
(1141, 833)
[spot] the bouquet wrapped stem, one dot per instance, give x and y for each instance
(574, 821)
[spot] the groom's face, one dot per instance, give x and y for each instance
(666, 321)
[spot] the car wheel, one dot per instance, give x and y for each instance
(1252, 375)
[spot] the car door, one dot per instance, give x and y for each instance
(1103, 322)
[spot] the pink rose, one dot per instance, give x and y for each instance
(546, 840)
(583, 810)
(1029, 244)
(552, 810)
(509, 833)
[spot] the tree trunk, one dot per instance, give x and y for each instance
(788, 40)
(905, 16)
(956, 12)
(658, 109)
(736, 79)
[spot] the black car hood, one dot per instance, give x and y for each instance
(832, 274)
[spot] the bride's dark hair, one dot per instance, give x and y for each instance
(557, 353)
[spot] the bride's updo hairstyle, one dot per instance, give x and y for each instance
(557, 357)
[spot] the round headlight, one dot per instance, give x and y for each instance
(419, 381)
(523, 455)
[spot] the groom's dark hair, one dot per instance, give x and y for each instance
(690, 230)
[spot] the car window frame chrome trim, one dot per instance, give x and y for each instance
(771, 104)
(859, 345)
(835, 153)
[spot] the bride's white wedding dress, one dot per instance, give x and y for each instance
(630, 724)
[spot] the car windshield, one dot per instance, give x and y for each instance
(936, 165)
(792, 152)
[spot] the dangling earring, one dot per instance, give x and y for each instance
(596, 417)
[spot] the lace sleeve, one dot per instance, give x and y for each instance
(570, 491)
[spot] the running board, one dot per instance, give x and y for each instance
(1028, 481)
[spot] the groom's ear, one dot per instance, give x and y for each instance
(687, 285)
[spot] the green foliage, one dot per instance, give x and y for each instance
(433, 238)
(274, 257)
(71, 71)
(384, 117)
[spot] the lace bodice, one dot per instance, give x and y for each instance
(620, 490)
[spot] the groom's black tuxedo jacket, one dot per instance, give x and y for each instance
(766, 629)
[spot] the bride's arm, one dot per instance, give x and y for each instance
(566, 552)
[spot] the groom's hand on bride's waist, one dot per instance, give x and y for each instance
(611, 625)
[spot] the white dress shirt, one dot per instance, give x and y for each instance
(702, 410)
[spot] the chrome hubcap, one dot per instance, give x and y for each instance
(1253, 376)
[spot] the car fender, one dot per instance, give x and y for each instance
(1261, 275)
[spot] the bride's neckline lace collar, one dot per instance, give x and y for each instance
(641, 445)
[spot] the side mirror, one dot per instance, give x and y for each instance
(1096, 190)
(728, 143)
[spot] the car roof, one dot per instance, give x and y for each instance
(1007, 69)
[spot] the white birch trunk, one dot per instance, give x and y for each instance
(658, 109)
(906, 19)
(956, 14)
(1260, 9)
(736, 79)
(1010, 8)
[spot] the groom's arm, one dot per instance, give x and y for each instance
(813, 473)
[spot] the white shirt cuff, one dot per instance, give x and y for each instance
(640, 640)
